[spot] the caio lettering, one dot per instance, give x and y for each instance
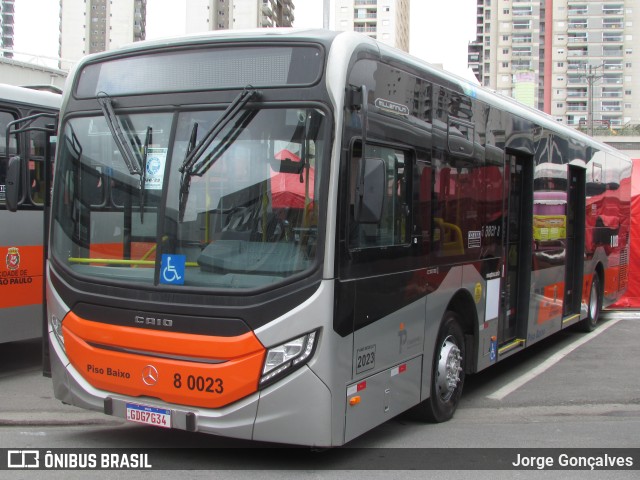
(153, 321)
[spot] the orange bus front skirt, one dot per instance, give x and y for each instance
(185, 369)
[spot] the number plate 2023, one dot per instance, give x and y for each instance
(158, 417)
(365, 358)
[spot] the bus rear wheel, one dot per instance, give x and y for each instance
(447, 373)
(595, 306)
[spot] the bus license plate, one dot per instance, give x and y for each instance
(158, 417)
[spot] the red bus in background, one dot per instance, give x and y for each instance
(631, 297)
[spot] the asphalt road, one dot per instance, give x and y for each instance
(574, 390)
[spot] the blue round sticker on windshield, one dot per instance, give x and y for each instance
(153, 165)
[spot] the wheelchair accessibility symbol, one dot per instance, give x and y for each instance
(172, 269)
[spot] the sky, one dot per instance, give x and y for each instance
(440, 31)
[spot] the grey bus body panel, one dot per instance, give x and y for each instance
(331, 363)
(289, 411)
(391, 340)
(20, 323)
(24, 228)
(382, 396)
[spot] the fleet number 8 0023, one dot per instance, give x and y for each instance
(198, 383)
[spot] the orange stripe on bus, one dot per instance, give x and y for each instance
(20, 275)
(142, 371)
(172, 343)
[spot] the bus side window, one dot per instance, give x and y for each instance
(425, 175)
(5, 118)
(393, 226)
(35, 155)
(36, 181)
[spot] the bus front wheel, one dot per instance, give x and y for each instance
(447, 372)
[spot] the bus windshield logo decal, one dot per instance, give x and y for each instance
(392, 107)
(172, 269)
(156, 159)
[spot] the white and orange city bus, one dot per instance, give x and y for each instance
(293, 236)
(21, 235)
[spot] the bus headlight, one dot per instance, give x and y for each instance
(283, 359)
(56, 326)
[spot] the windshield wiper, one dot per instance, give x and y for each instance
(192, 165)
(132, 159)
(185, 180)
(133, 152)
(201, 167)
(192, 140)
(229, 114)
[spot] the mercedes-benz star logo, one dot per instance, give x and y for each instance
(150, 375)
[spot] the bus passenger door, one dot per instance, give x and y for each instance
(518, 205)
(576, 205)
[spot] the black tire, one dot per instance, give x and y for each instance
(594, 307)
(448, 361)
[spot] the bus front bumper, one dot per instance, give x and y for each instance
(295, 410)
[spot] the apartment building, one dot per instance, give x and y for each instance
(90, 26)
(384, 20)
(7, 10)
(203, 15)
(577, 60)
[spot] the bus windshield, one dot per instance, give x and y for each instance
(241, 214)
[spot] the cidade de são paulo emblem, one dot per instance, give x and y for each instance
(13, 258)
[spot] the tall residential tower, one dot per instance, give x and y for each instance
(203, 15)
(90, 26)
(574, 59)
(384, 20)
(6, 26)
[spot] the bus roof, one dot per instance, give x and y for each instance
(350, 40)
(28, 96)
(498, 100)
(222, 36)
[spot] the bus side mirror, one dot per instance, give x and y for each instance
(370, 191)
(12, 184)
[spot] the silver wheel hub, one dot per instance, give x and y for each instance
(449, 368)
